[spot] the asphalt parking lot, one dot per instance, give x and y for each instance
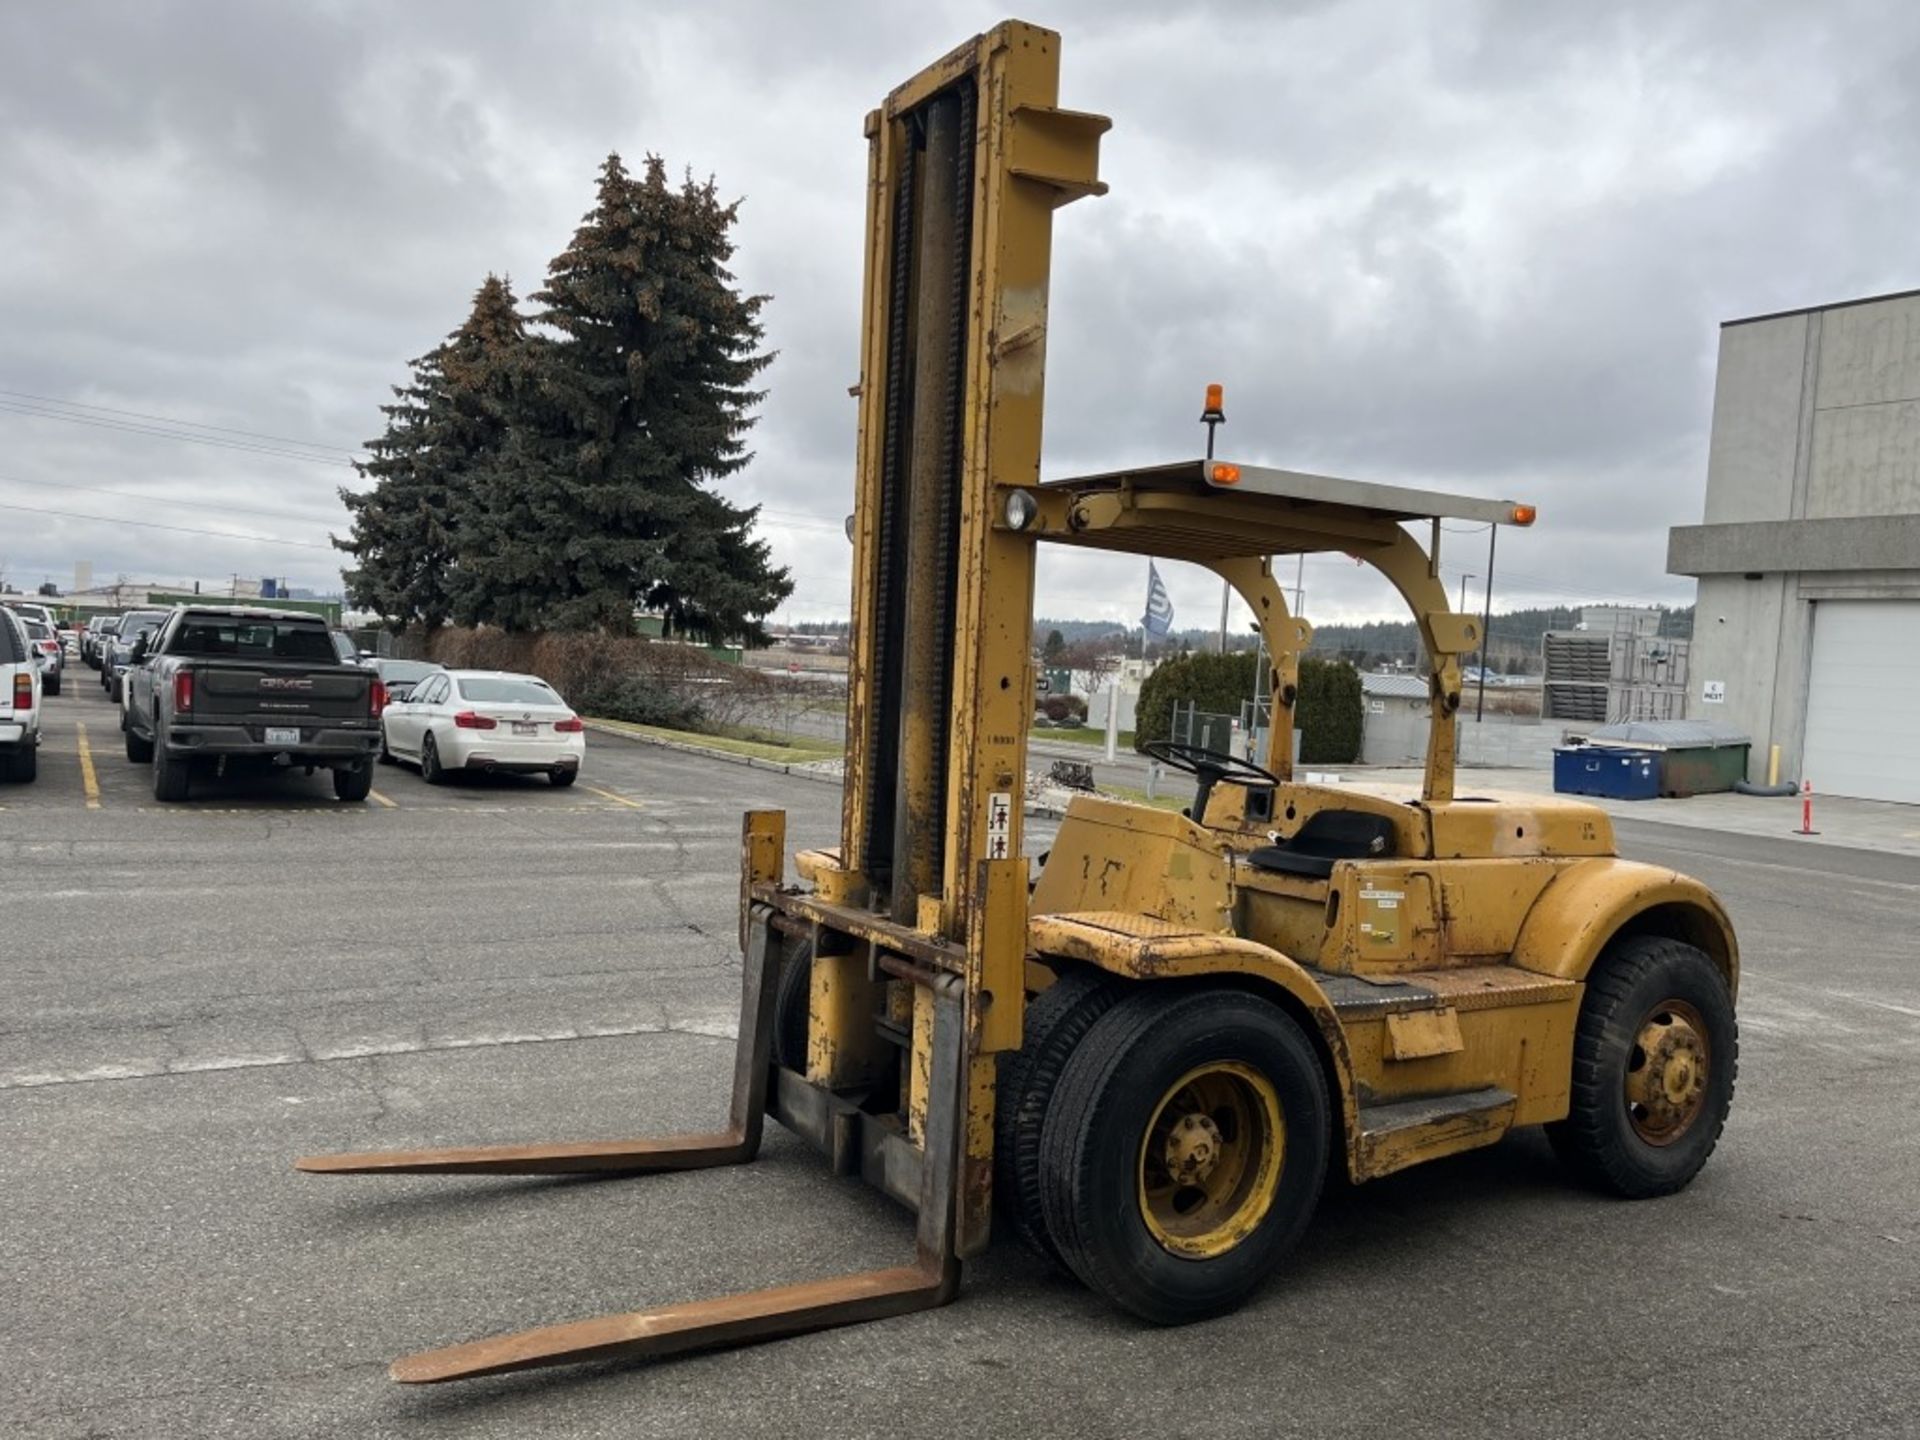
(196, 994)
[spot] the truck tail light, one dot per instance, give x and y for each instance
(472, 720)
(183, 689)
(377, 699)
(23, 692)
(572, 725)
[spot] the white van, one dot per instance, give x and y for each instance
(19, 701)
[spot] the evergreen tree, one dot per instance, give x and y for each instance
(444, 428)
(638, 398)
(1055, 646)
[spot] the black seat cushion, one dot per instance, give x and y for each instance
(1328, 837)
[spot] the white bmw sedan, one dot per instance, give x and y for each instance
(484, 720)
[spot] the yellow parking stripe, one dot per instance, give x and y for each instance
(617, 799)
(377, 796)
(88, 780)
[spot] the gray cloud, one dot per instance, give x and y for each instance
(1482, 247)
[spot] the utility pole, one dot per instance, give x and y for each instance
(1463, 590)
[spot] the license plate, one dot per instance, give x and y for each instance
(526, 727)
(282, 737)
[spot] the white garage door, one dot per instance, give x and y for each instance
(1863, 700)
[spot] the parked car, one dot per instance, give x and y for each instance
(485, 720)
(29, 610)
(19, 701)
(119, 654)
(93, 642)
(401, 676)
(227, 681)
(45, 641)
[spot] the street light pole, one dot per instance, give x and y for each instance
(1486, 626)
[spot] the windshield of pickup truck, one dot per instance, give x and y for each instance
(215, 637)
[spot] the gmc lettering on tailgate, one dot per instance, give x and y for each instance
(287, 682)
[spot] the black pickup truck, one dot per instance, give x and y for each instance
(218, 682)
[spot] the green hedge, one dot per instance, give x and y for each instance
(1328, 710)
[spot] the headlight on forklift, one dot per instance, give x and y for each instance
(1021, 509)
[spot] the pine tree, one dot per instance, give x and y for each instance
(444, 429)
(639, 397)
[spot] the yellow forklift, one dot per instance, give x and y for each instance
(1148, 1056)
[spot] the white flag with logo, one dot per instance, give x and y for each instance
(1159, 617)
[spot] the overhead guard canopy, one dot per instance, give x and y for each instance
(1183, 512)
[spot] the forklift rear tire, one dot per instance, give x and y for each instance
(1184, 1151)
(1057, 1020)
(792, 1002)
(1654, 1058)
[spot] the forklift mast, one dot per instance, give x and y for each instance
(966, 164)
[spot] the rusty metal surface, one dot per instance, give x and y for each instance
(1667, 1072)
(1395, 1136)
(699, 1325)
(932, 951)
(592, 1157)
(932, 499)
(933, 1278)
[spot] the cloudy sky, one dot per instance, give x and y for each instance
(1476, 246)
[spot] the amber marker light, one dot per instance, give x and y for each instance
(1524, 514)
(1226, 474)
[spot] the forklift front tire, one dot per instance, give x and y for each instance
(1057, 1020)
(792, 1002)
(1654, 1056)
(1184, 1152)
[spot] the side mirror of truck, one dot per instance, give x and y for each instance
(139, 652)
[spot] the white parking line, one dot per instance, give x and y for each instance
(712, 1029)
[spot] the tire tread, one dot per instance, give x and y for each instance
(1057, 1021)
(1584, 1140)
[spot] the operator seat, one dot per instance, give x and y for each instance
(1328, 837)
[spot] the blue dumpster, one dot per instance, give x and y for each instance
(1610, 772)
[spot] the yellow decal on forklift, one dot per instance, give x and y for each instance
(1378, 915)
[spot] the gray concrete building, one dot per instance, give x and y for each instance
(1807, 632)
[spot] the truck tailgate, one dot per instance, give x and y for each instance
(274, 695)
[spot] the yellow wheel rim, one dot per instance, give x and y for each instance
(1667, 1072)
(1210, 1160)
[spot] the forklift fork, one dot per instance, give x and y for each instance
(932, 1279)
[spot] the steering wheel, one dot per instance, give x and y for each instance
(1211, 767)
(1197, 761)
